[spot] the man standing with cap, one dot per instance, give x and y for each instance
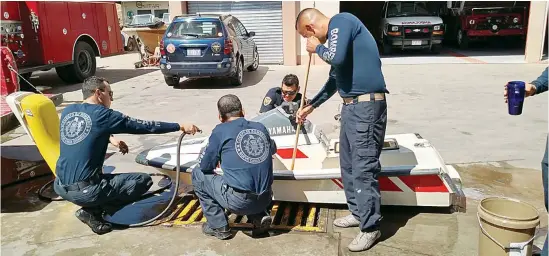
(356, 74)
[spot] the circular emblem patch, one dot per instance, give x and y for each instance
(267, 100)
(6, 15)
(104, 45)
(216, 47)
(170, 48)
(252, 146)
(75, 127)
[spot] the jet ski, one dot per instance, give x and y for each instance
(413, 172)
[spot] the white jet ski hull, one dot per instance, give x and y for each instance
(413, 173)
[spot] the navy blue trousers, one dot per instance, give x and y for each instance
(362, 134)
(216, 196)
(110, 192)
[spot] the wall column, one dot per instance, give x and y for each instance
(177, 8)
(537, 26)
(289, 34)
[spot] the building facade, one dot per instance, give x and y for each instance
(130, 9)
(274, 24)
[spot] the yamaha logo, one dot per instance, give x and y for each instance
(216, 47)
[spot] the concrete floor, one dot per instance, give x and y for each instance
(459, 108)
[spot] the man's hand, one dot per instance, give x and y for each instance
(303, 112)
(119, 144)
(189, 128)
(530, 90)
(312, 43)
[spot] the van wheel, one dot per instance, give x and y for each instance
(254, 65)
(386, 47)
(172, 80)
(239, 74)
(84, 65)
(436, 48)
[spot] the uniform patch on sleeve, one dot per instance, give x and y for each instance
(267, 100)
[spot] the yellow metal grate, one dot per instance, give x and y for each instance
(287, 216)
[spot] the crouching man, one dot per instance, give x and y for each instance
(243, 149)
(85, 131)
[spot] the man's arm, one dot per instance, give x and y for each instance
(541, 82)
(117, 122)
(210, 157)
(339, 37)
(327, 91)
(267, 103)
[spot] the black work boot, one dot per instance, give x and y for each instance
(261, 225)
(94, 220)
(222, 233)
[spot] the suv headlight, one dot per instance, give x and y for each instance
(394, 28)
(436, 27)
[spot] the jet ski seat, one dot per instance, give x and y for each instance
(38, 116)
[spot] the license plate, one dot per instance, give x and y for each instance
(416, 42)
(194, 52)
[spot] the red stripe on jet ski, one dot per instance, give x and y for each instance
(385, 184)
(287, 153)
(424, 183)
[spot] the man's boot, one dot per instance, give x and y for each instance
(93, 219)
(222, 233)
(261, 225)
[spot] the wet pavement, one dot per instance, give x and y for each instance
(459, 108)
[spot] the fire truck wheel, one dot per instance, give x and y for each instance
(83, 67)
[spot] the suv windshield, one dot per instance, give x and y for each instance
(196, 29)
(409, 8)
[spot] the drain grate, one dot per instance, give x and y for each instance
(287, 216)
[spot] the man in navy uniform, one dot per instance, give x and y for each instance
(287, 92)
(356, 74)
(243, 149)
(85, 131)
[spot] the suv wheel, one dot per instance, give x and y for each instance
(239, 74)
(172, 80)
(254, 65)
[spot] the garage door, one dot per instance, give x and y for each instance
(264, 18)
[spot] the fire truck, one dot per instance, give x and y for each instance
(67, 36)
(469, 21)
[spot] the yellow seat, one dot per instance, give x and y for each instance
(43, 123)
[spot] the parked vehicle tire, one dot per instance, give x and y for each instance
(255, 64)
(462, 39)
(386, 47)
(84, 64)
(436, 48)
(172, 80)
(237, 79)
(132, 45)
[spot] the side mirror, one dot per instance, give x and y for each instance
(251, 34)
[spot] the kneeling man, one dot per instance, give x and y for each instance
(85, 132)
(243, 149)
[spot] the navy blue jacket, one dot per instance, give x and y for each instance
(354, 57)
(84, 133)
(273, 99)
(244, 151)
(541, 82)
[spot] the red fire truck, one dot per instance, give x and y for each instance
(480, 20)
(67, 36)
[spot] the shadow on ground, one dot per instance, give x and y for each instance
(475, 49)
(249, 79)
(56, 85)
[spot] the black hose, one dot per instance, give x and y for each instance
(175, 192)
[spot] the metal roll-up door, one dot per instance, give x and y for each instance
(264, 18)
